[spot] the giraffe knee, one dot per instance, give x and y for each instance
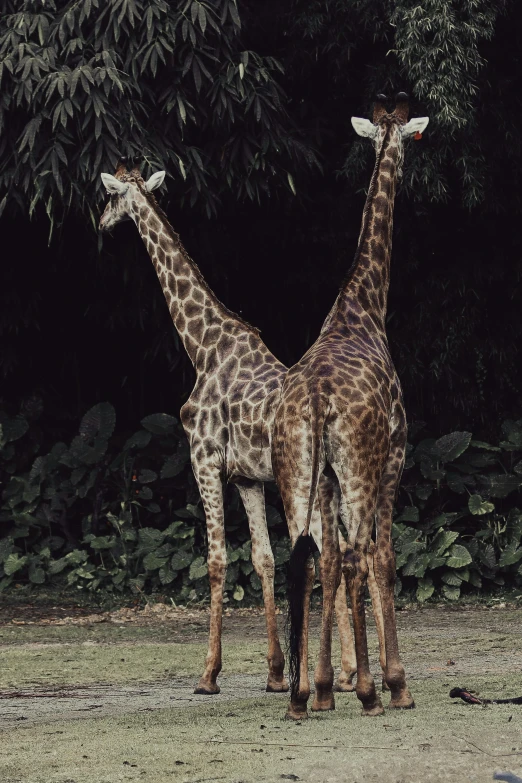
(355, 565)
(263, 562)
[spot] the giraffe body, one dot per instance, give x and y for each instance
(228, 417)
(341, 426)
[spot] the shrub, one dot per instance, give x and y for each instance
(118, 514)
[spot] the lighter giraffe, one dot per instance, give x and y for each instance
(228, 417)
(341, 412)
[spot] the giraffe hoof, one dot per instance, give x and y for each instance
(277, 686)
(344, 686)
(402, 703)
(296, 715)
(325, 703)
(373, 712)
(207, 688)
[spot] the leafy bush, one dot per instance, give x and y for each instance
(115, 514)
(100, 514)
(459, 527)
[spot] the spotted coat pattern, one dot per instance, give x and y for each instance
(341, 420)
(228, 417)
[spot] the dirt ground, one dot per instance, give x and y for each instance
(98, 697)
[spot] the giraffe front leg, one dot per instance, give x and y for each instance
(344, 682)
(252, 495)
(211, 490)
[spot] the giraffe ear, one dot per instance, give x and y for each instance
(155, 181)
(113, 186)
(417, 125)
(364, 127)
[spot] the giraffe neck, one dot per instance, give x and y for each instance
(198, 315)
(365, 290)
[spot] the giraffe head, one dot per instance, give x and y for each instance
(394, 124)
(124, 189)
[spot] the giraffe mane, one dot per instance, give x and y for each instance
(366, 212)
(135, 176)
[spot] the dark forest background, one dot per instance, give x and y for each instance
(247, 105)
(83, 320)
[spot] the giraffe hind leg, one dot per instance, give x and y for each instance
(330, 571)
(384, 565)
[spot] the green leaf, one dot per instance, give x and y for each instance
(511, 554)
(453, 593)
(160, 423)
(425, 589)
(442, 541)
(502, 484)
(98, 423)
(273, 517)
(477, 506)
(147, 476)
(56, 566)
(452, 578)
(488, 557)
(198, 569)
(6, 547)
(14, 563)
(416, 565)
(139, 440)
(451, 446)
(459, 556)
(513, 430)
(152, 562)
(76, 557)
(14, 429)
(166, 575)
(475, 580)
(480, 444)
(239, 593)
(409, 514)
(181, 560)
(149, 539)
(174, 464)
(36, 574)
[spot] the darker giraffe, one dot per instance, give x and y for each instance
(228, 417)
(341, 426)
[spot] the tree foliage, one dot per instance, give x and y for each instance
(85, 81)
(284, 80)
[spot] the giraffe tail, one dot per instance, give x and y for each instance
(317, 416)
(303, 548)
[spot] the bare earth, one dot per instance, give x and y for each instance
(106, 697)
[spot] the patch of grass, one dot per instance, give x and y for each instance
(84, 664)
(254, 743)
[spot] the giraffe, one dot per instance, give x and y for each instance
(340, 426)
(228, 417)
